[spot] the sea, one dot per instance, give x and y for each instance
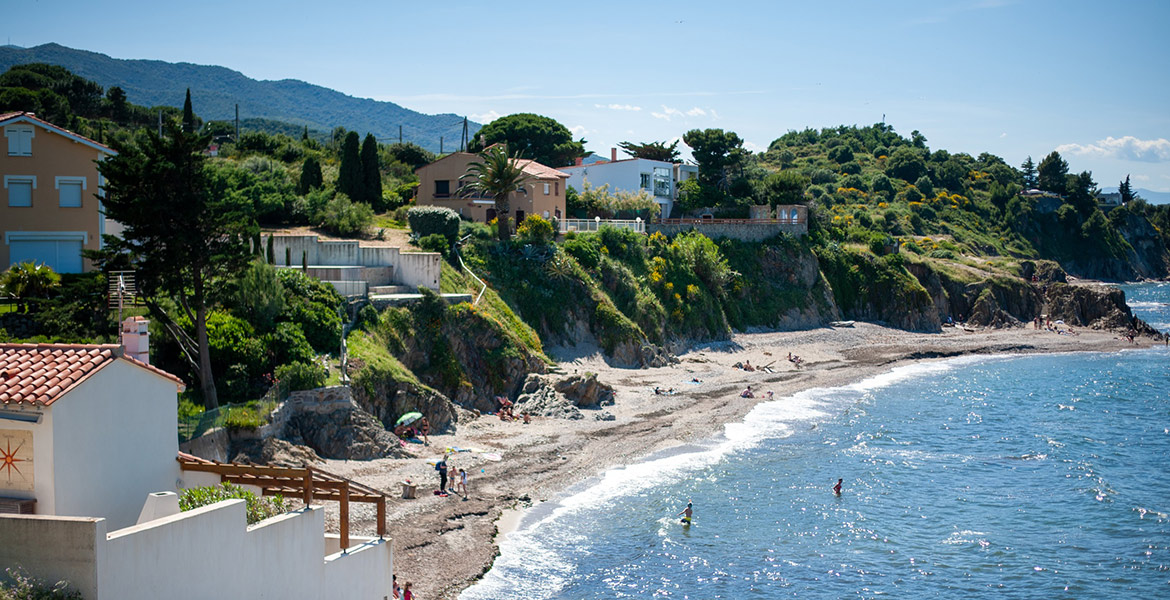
(1038, 476)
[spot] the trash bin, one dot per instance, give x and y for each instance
(408, 490)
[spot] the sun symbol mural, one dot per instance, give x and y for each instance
(16, 461)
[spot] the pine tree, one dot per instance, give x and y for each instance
(1029, 169)
(188, 114)
(305, 134)
(349, 176)
(371, 174)
(1052, 174)
(1126, 191)
(310, 176)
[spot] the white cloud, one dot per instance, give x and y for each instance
(1140, 177)
(486, 117)
(750, 147)
(1124, 148)
(1003, 135)
(696, 112)
(578, 130)
(667, 113)
(630, 107)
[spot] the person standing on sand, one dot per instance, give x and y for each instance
(406, 593)
(425, 428)
(441, 467)
(837, 488)
(463, 483)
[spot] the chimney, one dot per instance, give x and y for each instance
(136, 338)
(578, 162)
(613, 154)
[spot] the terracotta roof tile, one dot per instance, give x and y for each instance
(42, 373)
(540, 171)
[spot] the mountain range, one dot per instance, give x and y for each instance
(216, 90)
(1148, 195)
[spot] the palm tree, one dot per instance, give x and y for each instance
(497, 175)
(28, 280)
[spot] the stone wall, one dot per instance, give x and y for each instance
(743, 230)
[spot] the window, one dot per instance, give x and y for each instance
(645, 181)
(547, 188)
(662, 182)
(20, 189)
(442, 188)
(69, 191)
(556, 188)
(19, 139)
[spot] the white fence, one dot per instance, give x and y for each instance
(567, 225)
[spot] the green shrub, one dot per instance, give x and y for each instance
(435, 243)
(242, 417)
(925, 186)
(851, 168)
(367, 318)
(258, 508)
(477, 231)
(23, 586)
(289, 344)
(301, 376)
(584, 251)
(823, 176)
(346, 218)
(942, 253)
(433, 220)
(536, 230)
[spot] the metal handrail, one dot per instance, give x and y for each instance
(469, 271)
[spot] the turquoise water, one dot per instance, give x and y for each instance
(1150, 302)
(1017, 477)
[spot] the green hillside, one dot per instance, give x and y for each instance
(216, 90)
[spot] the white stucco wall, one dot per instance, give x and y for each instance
(412, 269)
(209, 552)
(114, 442)
(623, 175)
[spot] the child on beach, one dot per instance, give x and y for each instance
(462, 483)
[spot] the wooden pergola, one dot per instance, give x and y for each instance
(306, 482)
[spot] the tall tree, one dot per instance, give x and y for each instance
(1082, 192)
(349, 176)
(540, 138)
(1029, 171)
(183, 239)
(1126, 191)
(719, 153)
(652, 150)
(785, 187)
(496, 175)
(310, 176)
(188, 114)
(1052, 174)
(371, 173)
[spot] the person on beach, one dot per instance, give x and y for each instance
(395, 591)
(425, 429)
(462, 483)
(837, 488)
(441, 467)
(747, 393)
(686, 514)
(406, 593)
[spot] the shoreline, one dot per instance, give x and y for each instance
(444, 545)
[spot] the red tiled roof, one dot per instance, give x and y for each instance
(540, 171)
(43, 123)
(42, 373)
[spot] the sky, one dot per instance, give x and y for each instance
(1015, 78)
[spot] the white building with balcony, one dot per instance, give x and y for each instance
(628, 175)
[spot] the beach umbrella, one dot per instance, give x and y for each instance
(408, 418)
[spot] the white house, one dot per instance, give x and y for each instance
(628, 175)
(88, 451)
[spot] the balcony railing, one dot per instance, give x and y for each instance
(567, 225)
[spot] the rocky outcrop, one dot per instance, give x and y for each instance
(1147, 256)
(1096, 307)
(544, 395)
(387, 396)
(312, 424)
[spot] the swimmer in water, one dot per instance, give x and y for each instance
(837, 488)
(686, 514)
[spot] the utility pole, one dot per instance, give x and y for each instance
(237, 123)
(400, 135)
(440, 144)
(463, 140)
(160, 123)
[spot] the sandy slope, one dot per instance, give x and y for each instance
(444, 544)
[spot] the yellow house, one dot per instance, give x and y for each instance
(50, 205)
(440, 185)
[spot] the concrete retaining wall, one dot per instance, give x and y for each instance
(382, 265)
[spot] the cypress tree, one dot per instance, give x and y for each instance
(304, 261)
(287, 256)
(1126, 191)
(270, 253)
(371, 174)
(310, 176)
(349, 177)
(188, 114)
(1029, 172)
